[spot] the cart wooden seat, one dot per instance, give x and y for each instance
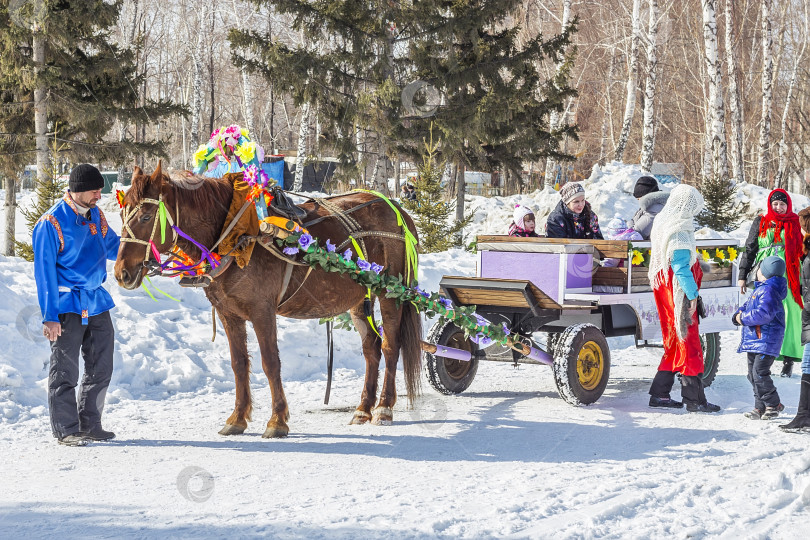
(506, 293)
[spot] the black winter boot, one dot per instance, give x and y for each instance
(787, 367)
(802, 420)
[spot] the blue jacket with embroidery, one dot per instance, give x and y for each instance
(70, 261)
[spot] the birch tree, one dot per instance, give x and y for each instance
(735, 107)
(301, 156)
(717, 132)
(767, 94)
(648, 136)
(799, 52)
(632, 81)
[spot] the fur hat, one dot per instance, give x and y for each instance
(520, 213)
(85, 177)
(772, 266)
(645, 185)
(571, 191)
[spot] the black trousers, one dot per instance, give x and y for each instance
(96, 341)
(691, 387)
(759, 375)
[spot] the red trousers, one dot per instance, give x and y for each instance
(685, 357)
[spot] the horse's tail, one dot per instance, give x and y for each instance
(410, 336)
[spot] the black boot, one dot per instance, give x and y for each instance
(802, 420)
(787, 367)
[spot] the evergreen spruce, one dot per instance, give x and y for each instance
(722, 212)
(47, 194)
(91, 83)
(430, 211)
(393, 68)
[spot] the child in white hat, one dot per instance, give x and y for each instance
(522, 222)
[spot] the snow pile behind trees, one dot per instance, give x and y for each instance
(609, 189)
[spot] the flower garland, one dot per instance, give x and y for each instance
(723, 257)
(373, 276)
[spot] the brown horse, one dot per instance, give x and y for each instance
(199, 208)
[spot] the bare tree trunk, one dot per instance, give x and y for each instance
(606, 117)
(767, 94)
(717, 113)
(648, 137)
(303, 133)
(460, 192)
(197, 87)
(11, 214)
(555, 119)
(632, 83)
(781, 172)
(735, 107)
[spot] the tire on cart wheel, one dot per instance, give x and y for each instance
(445, 375)
(581, 364)
(711, 356)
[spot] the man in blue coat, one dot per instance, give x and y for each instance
(72, 243)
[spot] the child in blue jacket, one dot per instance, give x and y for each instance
(763, 320)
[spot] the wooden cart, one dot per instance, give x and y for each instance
(575, 293)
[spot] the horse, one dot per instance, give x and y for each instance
(199, 206)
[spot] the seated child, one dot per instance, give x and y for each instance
(573, 217)
(522, 222)
(762, 317)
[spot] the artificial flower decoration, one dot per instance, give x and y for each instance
(119, 196)
(229, 146)
(638, 258)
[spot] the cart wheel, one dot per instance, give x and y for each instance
(445, 375)
(581, 364)
(711, 356)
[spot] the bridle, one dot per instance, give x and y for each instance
(161, 217)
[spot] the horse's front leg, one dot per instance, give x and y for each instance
(371, 351)
(265, 328)
(240, 363)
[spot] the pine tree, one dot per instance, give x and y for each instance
(430, 211)
(91, 82)
(393, 68)
(722, 212)
(47, 192)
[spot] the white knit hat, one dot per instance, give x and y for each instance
(520, 213)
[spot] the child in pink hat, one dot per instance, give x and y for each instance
(522, 222)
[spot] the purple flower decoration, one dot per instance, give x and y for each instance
(290, 250)
(305, 240)
(330, 247)
(481, 321)
(421, 292)
(505, 329)
(481, 339)
(347, 255)
(365, 266)
(446, 302)
(376, 268)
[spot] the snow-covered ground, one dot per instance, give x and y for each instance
(507, 457)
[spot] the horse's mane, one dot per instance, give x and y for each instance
(189, 190)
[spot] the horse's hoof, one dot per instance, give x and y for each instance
(275, 432)
(360, 417)
(231, 429)
(383, 416)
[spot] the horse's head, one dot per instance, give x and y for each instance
(141, 226)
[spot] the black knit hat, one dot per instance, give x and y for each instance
(85, 177)
(645, 185)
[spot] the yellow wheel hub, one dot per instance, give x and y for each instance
(590, 365)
